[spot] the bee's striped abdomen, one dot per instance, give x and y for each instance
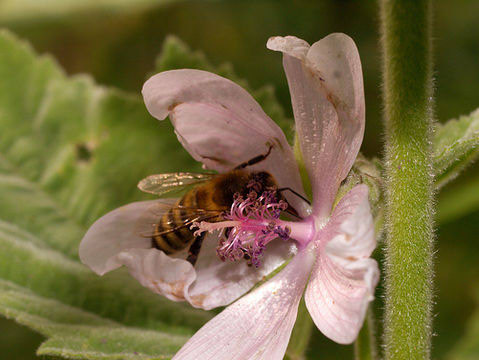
(173, 233)
(173, 236)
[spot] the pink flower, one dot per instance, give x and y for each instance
(221, 125)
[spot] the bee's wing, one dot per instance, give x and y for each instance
(162, 184)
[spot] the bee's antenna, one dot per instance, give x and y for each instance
(295, 193)
(292, 211)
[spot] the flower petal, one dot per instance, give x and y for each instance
(344, 277)
(117, 239)
(159, 272)
(219, 283)
(327, 95)
(117, 231)
(220, 124)
(257, 326)
(290, 45)
(351, 226)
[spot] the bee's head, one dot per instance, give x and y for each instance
(262, 181)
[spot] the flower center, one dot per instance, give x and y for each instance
(252, 222)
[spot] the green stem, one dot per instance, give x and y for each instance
(365, 347)
(406, 40)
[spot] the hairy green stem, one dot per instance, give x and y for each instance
(406, 42)
(365, 346)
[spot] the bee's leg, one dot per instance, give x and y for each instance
(254, 160)
(295, 193)
(194, 250)
(291, 210)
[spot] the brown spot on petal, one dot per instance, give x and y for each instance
(175, 289)
(352, 258)
(173, 105)
(198, 300)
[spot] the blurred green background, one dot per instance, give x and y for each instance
(118, 44)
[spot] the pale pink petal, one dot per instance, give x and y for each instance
(257, 326)
(351, 226)
(327, 95)
(290, 45)
(219, 283)
(119, 230)
(118, 238)
(344, 277)
(158, 272)
(220, 124)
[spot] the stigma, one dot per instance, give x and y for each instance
(250, 224)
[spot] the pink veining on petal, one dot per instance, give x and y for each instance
(257, 326)
(351, 227)
(344, 277)
(218, 283)
(328, 103)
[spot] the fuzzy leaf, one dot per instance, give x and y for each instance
(69, 152)
(456, 145)
(74, 333)
(176, 55)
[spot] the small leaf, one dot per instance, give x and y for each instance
(70, 151)
(177, 55)
(456, 145)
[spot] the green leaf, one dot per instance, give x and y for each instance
(456, 145)
(177, 55)
(74, 333)
(458, 200)
(15, 10)
(468, 347)
(69, 152)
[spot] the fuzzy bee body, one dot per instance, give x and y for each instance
(211, 196)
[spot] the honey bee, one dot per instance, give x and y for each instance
(208, 196)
